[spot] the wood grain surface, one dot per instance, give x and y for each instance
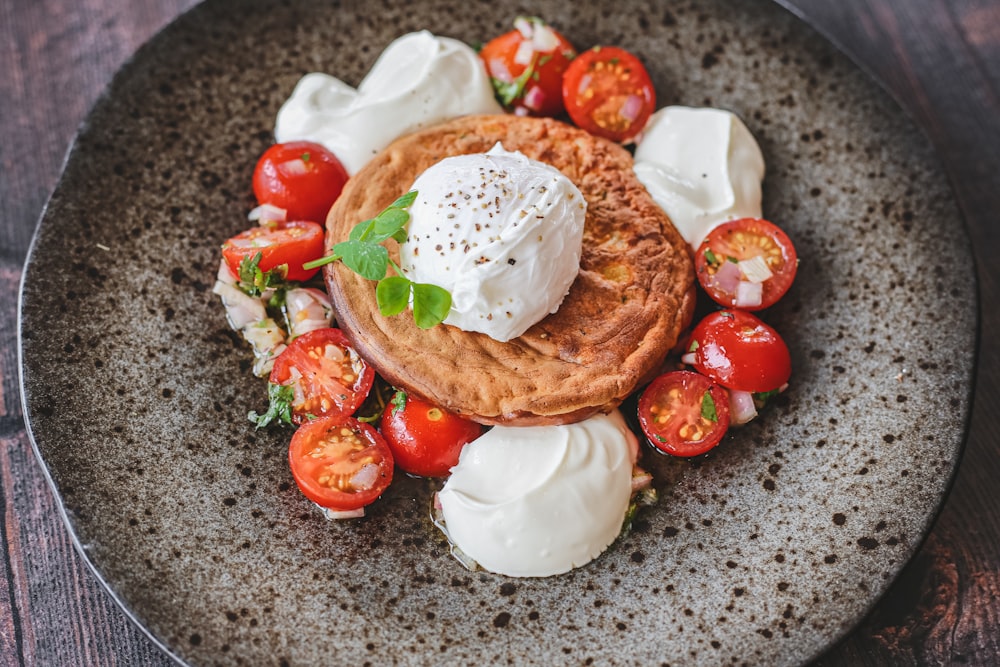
(939, 58)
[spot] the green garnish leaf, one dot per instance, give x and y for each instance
(305, 156)
(711, 258)
(708, 408)
(398, 401)
(280, 399)
(693, 346)
(254, 282)
(430, 304)
(364, 254)
(368, 260)
(762, 398)
(392, 295)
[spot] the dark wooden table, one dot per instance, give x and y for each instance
(940, 58)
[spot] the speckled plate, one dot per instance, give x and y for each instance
(766, 552)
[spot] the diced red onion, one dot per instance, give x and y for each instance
(365, 477)
(727, 278)
(688, 359)
(631, 108)
(584, 84)
(748, 294)
(525, 52)
(741, 407)
(755, 269)
(544, 38)
(335, 515)
(525, 26)
(295, 167)
(268, 213)
(534, 98)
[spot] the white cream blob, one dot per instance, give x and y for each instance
(534, 501)
(502, 233)
(702, 166)
(417, 81)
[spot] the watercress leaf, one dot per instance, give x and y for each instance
(392, 295)
(387, 224)
(368, 260)
(405, 201)
(361, 230)
(430, 304)
(400, 236)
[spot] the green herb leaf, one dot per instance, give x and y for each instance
(762, 398)
(693, 346)
(280, 399)
(368, 260)
(711, 258)
(387, 224)
(708, 408)
(430, 304)
(405, 201)
(392, 295)
(255, 282)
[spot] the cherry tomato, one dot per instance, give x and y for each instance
(290, 244)
(740, 352)
(425, 440)
(684, 413)
(340, 463)
(527, 67)
(738, 250)
(608, 92)
(302, 177)
(327, 376)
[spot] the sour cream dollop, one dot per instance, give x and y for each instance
(502, 233)
(419, 80)
(702, 166)
(538, 501)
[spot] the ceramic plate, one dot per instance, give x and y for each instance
(766, 552)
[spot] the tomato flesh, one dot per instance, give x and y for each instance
(288, 245)
(608, 92)
(302, 177)
(740, 352)
(683, 413)
(327, 374)
(340, 463)
(425, 440)
(527, 80)
(730, 246)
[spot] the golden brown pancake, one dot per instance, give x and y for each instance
(633, 296)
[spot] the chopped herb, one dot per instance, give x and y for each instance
(254, 282)
(280, 399)
(711, 258)
(660, 438)
(762, 398)
(708, 408)
(693, 346)
(398, 401)
(305, 156)
(364, 254)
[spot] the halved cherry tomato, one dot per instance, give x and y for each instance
(290, 244)
(425, 440)
(326, 374)
(738, 351)
(302, 177)
(527, 67)
(684, 413)
(747, 263)
(340, 463)
(608, 92)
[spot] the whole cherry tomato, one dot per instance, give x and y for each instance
(340, 463)
(684, 413)
(747, 263)
(609, 93)
(288, 245)
(425, 440)
(740, 352)
(325, 374)
(302, 177)
(527, 67)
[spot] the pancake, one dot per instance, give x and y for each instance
(623, 314)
